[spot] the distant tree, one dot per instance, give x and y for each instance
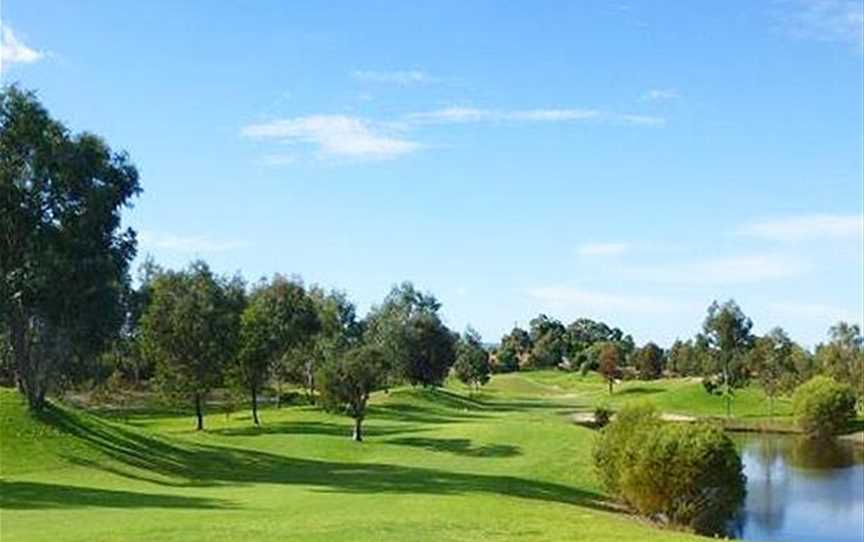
(347, 382)
(63, 256)
(727, 330)
(649, 361)
(190, 331)
(687, 358)
(279, 317)
(506, 359)
(548, 342)
(416, 344)
(842, 358)
(771, 359)
(609, 361)
(472, 360)
(513, 350)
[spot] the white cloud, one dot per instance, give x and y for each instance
(186, 243)
(661, 94)
(603, 249)
(398, 77)
(462, 115)
(817, 226)
(334, 135)
(14, 51)
(565, 297)
(730, 270)
(839, 21)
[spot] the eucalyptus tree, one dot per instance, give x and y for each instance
(279, 318)
(64, 256)
(347, 381)
(842, 358)
(728, 333)
(472, 365)
(190, 331)
(649, 361)
(772, 360)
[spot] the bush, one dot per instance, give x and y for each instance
(602, 415)
(688, 475)
(823, 407)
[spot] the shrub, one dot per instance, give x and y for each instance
(823, 407)
(602, 415)
(688, 475)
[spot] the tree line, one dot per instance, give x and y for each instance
(71, 316)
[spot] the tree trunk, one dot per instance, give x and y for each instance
(310, 383)
(255, 406)
(198, 412)
(611, 383)
(25, 373)
(358, 430)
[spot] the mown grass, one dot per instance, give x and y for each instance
(504, 464)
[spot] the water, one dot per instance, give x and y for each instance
(802, 491)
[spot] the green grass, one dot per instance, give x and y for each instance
(505, 464)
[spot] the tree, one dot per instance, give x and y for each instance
(823, 407)
(279, 317)
(63, 255)
(727, 330)
(347, 382)
(609, 360)
(339, 331)
(688, 358)
(190, 331)
(843, 357)
(513, 350)
(417, 346)
(771, 358)
(548, 342)
(472, 360)
(649, 361)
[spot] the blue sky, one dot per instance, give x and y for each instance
(628, 161)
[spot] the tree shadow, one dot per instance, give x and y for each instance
(639, 390)
(141, 456)
(314, 428)
(35, 495)
(459, 446)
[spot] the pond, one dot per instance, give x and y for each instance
(801, 491)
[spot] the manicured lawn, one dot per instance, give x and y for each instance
(437, 465)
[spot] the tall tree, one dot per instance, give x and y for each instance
(609, 361)
(727, 330)
(417, 346)
(190, 330)
(548, 340)
(842, 358)
(347, 382)
(472, 360)
(772, 359)
(279, 317)
(513, 351)
(63, 255)
(649, 361)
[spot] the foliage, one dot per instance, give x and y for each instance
(472, 365)
(609, 361)
(548, 342)
(190, 331)
(689, 358)
(602, 415)
(513, 352)
(727, 331)
(772, 360)
(346, 383)
(649, 361)
(279, 316)
(842, 358)
(823, 407)
(64, 257)
(686, 474)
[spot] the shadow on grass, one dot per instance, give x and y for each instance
(141, 456)
(639, 390)
(35, 495)
(459, 446)
(314, 428)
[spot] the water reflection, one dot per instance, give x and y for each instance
(801, 491)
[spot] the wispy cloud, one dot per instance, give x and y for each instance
(839, 21)
(14, 51)
(816, 226)
(464, 115)
(566, 297)
(187, 243)
(334, 136)
(395, 77)
(661, 95)
(745, 269)
(602, 249)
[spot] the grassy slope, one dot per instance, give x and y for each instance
(435, 466)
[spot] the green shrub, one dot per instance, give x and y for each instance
(686, 474)
(689, 475)
(823, 407)
(614, 443)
